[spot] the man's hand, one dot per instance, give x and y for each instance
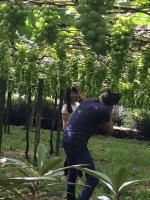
(83, 95)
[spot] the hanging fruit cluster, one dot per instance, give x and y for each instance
(120, 45)
(144, 69)
(46, 27)
(5, 60)
(12, 15)
(146, 58)
(122, 34)
(61, 49)
(92, 23)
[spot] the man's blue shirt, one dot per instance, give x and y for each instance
(86, 121)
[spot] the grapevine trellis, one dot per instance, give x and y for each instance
(87, 43)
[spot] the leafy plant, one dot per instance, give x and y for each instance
(16, 175)
(116, 186)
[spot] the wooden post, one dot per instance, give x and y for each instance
(3, 88)
(38, 118)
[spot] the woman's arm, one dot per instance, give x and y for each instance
(109, 125)
(65, 118)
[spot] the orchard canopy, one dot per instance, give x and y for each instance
(88, 43)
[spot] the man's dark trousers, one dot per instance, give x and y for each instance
(79, 154)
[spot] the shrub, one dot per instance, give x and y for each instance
(142, 123)
(118, 115)
(49, 115)
(18, 113)
(131, 119)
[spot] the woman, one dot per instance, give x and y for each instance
(68, 108)
(70, 105)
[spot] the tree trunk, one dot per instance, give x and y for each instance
(38, 118)
(51, 138)
(51, 150)
(59, 122)
(7, 113)
(3, 88)
(27, 124)
(32, 113)
(55, 103)
(118, 196)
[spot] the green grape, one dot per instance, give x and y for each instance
(79, 24)
(84, 30)
(92, 26)
(46, 27)
(92, 23)
(93, 14)
(90, 35)
(14, 14)
(81, 8)
(120, 43)
(82, 1)
(101, 38)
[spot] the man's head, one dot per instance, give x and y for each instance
(109, 98)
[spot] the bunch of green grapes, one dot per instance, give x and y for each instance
(13, 15)
(92, 23)
(144, 69)
(146, 58)
(5, 60)
(122, 34)
(61, 49)
(46, 26)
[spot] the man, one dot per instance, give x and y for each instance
(87, 119)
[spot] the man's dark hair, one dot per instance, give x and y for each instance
(109, 98)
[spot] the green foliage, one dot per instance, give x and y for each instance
(144, 71)
(143, 194)
(26, 176)
(92, 74)
(109, 155)
(117, 185)
(26, 71)
(122, 60)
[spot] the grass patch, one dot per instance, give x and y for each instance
(109, 154)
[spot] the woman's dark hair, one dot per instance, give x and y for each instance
(68, 98)
(110, 98)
